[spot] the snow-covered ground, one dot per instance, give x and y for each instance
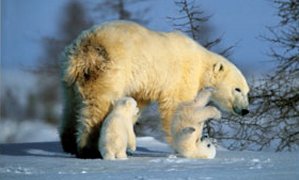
(152, 160)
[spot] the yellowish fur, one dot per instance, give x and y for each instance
(122, 58)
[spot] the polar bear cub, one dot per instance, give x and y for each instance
(188, 124)
(117, 133)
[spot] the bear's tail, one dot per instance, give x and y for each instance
(83, 61)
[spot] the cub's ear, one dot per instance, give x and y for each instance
(218, 67)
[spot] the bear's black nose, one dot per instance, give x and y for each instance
(244, 112)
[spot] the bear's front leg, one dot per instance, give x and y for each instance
(91, 117)
(167, 109)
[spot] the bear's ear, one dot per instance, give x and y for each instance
(218, 67)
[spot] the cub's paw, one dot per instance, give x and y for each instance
(216, 114)
(132, 148)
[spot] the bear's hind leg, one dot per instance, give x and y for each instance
(91, 118)
(97, 101)
(67, 127)
(167, 110)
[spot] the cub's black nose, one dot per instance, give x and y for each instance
(244, 112)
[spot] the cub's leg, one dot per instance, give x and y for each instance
(122, 155)
(203, 115)
(210, 112)
(132, 140)
(109, 155)
(203, 97)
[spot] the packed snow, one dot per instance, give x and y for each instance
(152, 160)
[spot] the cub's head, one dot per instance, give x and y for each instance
(128, 106)
(232, 90)
(207, 147)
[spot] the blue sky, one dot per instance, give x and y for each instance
(24, 23)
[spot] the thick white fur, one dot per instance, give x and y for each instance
(117, 132)
(188, 124)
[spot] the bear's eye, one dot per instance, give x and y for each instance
(209, 145)
(238, 89)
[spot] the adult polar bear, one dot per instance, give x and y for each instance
(122, 58)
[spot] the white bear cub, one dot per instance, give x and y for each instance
(188, 125)
(117, 133)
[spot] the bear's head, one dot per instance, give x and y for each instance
(232, 90)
